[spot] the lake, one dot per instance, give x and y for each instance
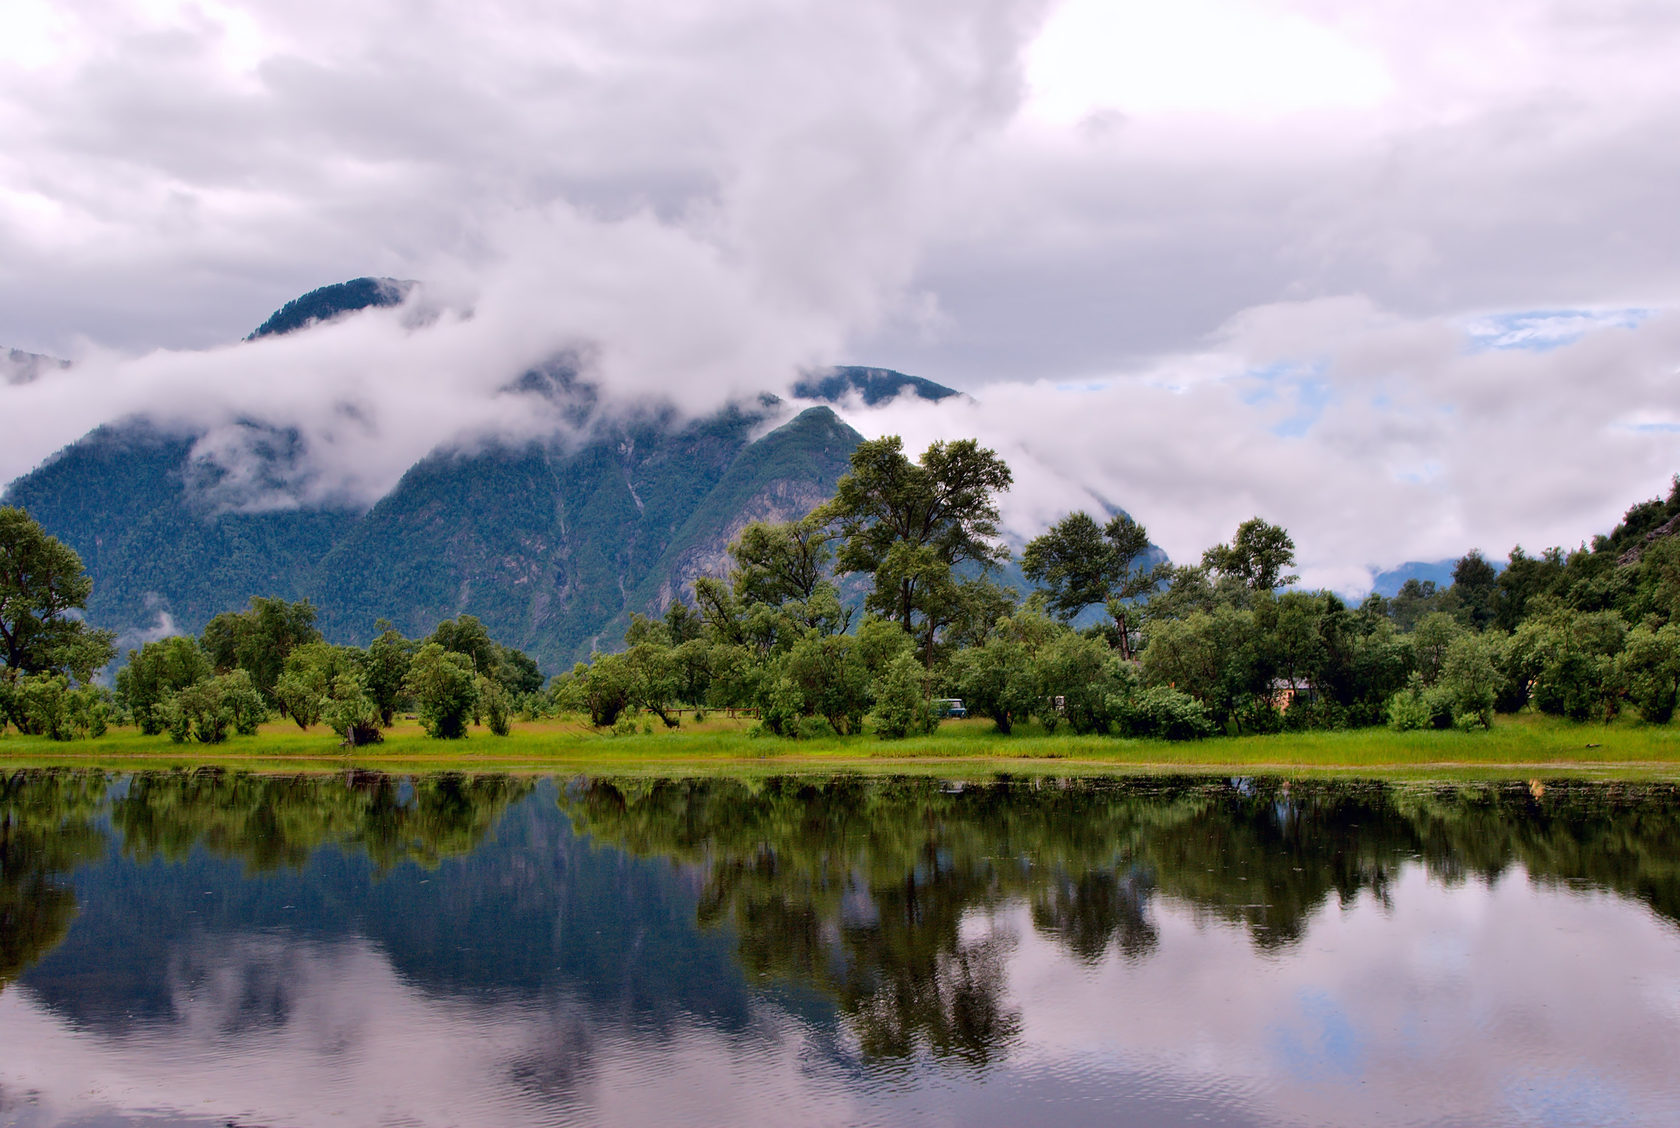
(225, 949)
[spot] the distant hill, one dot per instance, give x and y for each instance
(333, 301)
(873, 385)
(19, 367)
(1438, 572)
(552, 544)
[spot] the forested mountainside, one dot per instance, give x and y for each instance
(551, 544)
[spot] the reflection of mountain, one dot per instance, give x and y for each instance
(865, 892)
(526, 910)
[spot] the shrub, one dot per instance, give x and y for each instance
(445, 690)
(900, 706)
(1164, 713)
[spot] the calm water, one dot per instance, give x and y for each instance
(220, 949)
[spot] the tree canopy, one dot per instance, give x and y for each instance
(42, 586)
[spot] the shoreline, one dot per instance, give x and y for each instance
(1522, 746)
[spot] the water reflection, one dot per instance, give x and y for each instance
(366, 949)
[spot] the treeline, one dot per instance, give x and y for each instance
(1225, 645)
(1220, 646)
(268, 661)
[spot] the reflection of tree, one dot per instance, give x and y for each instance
(269, 822)
(46, 831)
(860, 888)
(49, 826)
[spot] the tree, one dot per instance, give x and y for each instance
(385, 671)
(912, 525)
(901, 707)
(258, 639)
(155, 672)
(996, 680)
(445, 690)
(41, 584)
(1257, 556)
(1475, 587)
(312, 671)
(833, 680)
(1081, 565)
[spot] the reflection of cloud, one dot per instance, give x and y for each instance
(1467, 986)
(286, 1031)
(1518, 1001)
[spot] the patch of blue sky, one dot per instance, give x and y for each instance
(1300, 381)
(1321, 1042)
(1663, 428)
(1539, 330)
(1577, 1097)
(1090, 386)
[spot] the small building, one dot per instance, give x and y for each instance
(1285, 692)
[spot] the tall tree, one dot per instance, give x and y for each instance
(258, 639)
(1081, 564)
(911, 525)
(41, 583)
(1475, 588)
(1257, 556)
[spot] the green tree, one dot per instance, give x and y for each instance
(155, 672)
(258, 639)
(445, 690)
(1475, 589)
(901, 707)
(386, 670)
(307, 680)
(911, 525)
(206, 710)
(1257, 556)
(350, 710)
(605, 688)
(832, 679)
(1650, 667)
(1081, 565)
(41, 584)
(996, 680)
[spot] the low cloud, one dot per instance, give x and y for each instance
(1373, 438)
(1401, 281)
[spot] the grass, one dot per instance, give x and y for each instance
(1523, 744)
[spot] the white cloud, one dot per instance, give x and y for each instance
(1407, 444)
(1008, 197)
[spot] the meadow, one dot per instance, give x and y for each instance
(1522, 744)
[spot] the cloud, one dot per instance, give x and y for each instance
(694, 208)
(1372, 437)
(1284, 253)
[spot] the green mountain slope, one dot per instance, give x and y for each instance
(120, 498)
(552, 544)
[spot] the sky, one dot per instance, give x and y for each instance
(1401, 277)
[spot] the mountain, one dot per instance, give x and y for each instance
(1438, 572)
(19, 367)
(873, 385)
(331, 302)
(551, 543)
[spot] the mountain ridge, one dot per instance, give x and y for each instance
(552, 543)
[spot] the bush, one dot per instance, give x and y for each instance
(208, 709)
(1164, 713)
(815, 728)
(445, 691)
(495, 706)
(900, 706)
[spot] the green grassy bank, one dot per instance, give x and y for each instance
(1520, 745)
